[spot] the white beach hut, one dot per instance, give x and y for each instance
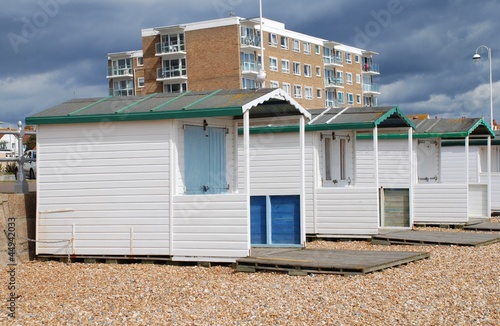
(342, 175)
(155, 176)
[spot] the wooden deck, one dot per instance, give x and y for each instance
(436, 238)
(317, 261)
(483, 226)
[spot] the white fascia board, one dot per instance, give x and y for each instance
(277, 93)
(125, 54)
(350, 49)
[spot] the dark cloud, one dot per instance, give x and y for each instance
(53, 50)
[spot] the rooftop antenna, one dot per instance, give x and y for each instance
(261, 76)
(232, 13)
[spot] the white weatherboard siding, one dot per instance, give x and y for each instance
(495, 189)
(109, 182)
(453, 164)
(210, 226)
(440, 203)
(478, 201)
(274, 164)
(346, 211)
(474, 164)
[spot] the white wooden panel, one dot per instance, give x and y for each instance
(104, 179)
(453, 164)
(440, 203)
(474, 164)
(202, 226)
(495, 189)
(349, 210)
(394, 163)
(478, 201)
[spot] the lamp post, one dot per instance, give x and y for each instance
(261, 76)
(477, 57)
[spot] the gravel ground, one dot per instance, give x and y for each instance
(456, 286)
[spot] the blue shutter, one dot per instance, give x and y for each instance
(258, 218)
(285, 219)
(204, 160)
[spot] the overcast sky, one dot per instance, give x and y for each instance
(54, 50)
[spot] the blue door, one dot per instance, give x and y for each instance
(205, 160)
(275, 220)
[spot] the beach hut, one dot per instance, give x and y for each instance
(445, 188)
(157, 176)
(342, 175)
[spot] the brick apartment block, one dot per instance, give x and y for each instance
(226, 54)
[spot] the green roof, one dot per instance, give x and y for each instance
(262, 102)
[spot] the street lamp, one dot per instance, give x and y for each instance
(477, 57)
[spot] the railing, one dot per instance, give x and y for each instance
(169, 48)
(250, 66)
(121, 92)
(334, 82)
(249, 40)
(332, 61)
(371, 67)
(371, 88)
(331, 103)
(162, 73)
(120, 71)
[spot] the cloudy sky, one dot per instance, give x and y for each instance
(54, 50)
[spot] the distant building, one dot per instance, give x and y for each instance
(226, 54)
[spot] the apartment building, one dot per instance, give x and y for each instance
(227, 54)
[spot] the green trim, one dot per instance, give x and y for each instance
(89, 106)
(474, 142)
(395, 110)
(136, 103)
(295, 128)
(202, 99)
(168, 102)
(416, 136)
(162, 115)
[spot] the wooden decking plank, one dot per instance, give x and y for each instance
(484, 226)
(436, 238)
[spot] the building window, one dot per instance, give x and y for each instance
(202, 175)
(285, 66)
(308, 92)
(274, 84)
(123, 88)
(172, 43)
(248, 61)
(340, 77)
(348, 78)
(317, 49)
(297, 91)
(140, 61)
(296, 45)
(340, 98)
(307, 70)
(348, 58)
(120, 67)
(350, 99)
(338, 56)
(358, 79)
(356, 58)
(273, 39)
(248, 36)
(273, 64)
(296, 68)
(307, 48)
(284, 42)
(337, 159)
(286, 88)
(140, 82)
(247, 83)
(175, 88)
(173, 68)
(329, 99)
(358, 99)
(318, 71)
(318, 93)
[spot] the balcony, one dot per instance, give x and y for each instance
(171, 75)
(332, 61)
(250, 43)
(171, 50)
(370, 69)
(371, 89)
(334, 83)
(121, 92)
(249, 69)
(114, 72)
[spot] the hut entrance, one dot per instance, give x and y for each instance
(394, 207)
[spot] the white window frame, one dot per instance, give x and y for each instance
(273, 64)
(356, 58)
(358, 99)
(284, 41)
(285, 66)
(307, 70)
(308, 92)
(140, 82)
(307, 48)
(296, 68)
(337, 159)
(141, 62)
(358, 79)
(318, 71)
(317, 49)
(319, 93)
(274, 84)
(287, 88)
(348, 78)
(350, 99)
(348, 57)
(273, 39)
(295, 45)
(340, 98)
(297, 91)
